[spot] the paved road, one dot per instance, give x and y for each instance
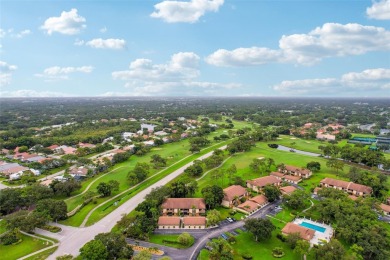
(72, 239)
(202, 236)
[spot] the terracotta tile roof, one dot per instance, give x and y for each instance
(305, 233)
(259, 199)
(385, 207)
(360, 188)
(263, 181)
(183, 203)
(288, 189)
(292, 178)
(292, 168)
(347, 185)
(277, 174)
(233, 191)
(198, 221)
(15, 170)
(248, 206)
(169, 221)
(52, 147)
(81, 171)
(297, 169)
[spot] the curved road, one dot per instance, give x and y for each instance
(72, 239)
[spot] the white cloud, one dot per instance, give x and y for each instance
(69, 23)
(379, 10)
(179, 76)
(244, 57)
(6, 73)
(103, 30)
(369, 80)
(183, 65)
(32, 93)
(62, 73)
(22, 33)
(187, 12)
(10, 32)
(2, 33)
(115, 44)
(330, 40)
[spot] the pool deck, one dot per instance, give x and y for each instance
(319, 237)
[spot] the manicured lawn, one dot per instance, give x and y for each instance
(225, 212)
(298, 143)
(258, 250)
(43, 255)
(106, 209)
(2, 226)
(27, 246)
(158, 239)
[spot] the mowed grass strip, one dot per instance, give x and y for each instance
(104, 210)
(161, 239)
(27, 246)
(261, 250)
(43, 255)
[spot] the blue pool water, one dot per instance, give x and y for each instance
(312, 226)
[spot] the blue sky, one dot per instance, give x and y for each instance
(195, 48)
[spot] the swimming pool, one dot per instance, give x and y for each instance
(312, 226)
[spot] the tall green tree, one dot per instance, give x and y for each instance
(260, 228)
(94, 250)
(213, 196)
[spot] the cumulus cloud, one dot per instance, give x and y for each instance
(369, 80)
(22, 33)
(330, 40)
(244, 57)
(379, 10)
(32, 93)
(114, 44)
(186, 12)
(6, 71)
(68, 23)
(183, 65)
(179, 76)
(62, 73)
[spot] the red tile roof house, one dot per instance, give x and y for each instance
(292, 228)
(287, 190)
(183, 206)
(168, 222)
(278, 175)
(194, 222)
(385, 208)
(248, 207)
(252, 204)
(259, 183)
(350, 187)
(16, 169)
(296, 171)
(292, 179)
(86, 145)
(233, 194)
(79, 172)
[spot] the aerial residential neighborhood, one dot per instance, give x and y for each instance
(194, 130)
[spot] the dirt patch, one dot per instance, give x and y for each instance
(293, 138)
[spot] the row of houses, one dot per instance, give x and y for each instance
(14, 171)
(349, 187)
(183, 213)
